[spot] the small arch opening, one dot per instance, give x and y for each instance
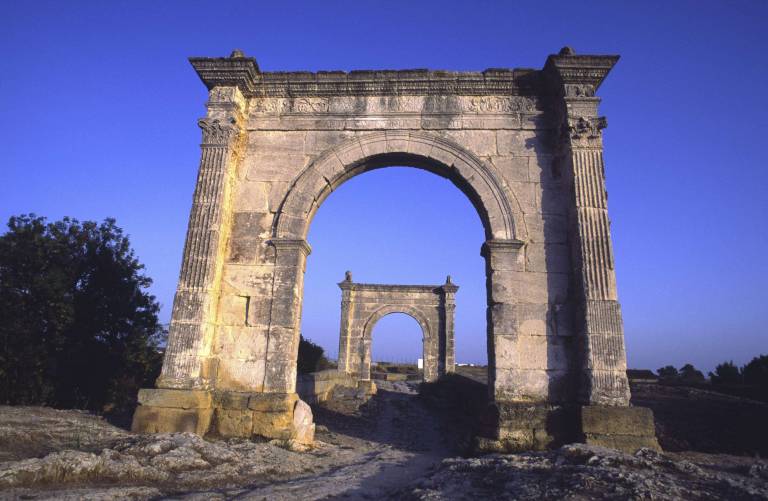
(396, 339)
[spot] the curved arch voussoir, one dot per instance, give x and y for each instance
(497, 205)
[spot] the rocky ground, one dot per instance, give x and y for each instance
(396, 445)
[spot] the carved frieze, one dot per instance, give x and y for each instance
(496, 104)
(383, 105)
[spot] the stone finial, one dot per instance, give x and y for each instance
(237, 53)
(567, 51)
(347, 276)
(448, 280)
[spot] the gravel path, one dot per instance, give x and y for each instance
(404, 444)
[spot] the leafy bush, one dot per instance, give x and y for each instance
(726, 373)
(311, 357)
(77, 327)
(756, 372)
(668, 373)
(689, 374)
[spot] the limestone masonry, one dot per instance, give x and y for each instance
(524, 145)
(362, 305)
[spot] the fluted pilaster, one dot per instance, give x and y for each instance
(599, 320)
(193, 318)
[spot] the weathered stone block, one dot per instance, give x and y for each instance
(271, 167)
(233, 423)
(623, 428)
(276, 143)
(178, 399)
(525, 195)
(547, 228)
(303, 428)
(481, 143)
(273, 424)
(151, 419)
(233, 309)
(273, 402)
(554, 258)
(236, 374)
(252, 196)
(514, 427)
(513, 169)
(367, 386)
(319, 142)
(231, 400)
(519, 142)
(251, 225)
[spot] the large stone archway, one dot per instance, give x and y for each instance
(362, 305)
(524, 145)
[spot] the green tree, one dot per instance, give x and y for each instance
(690, 374)
(668, 373)
(311, 357)
(77, 327)
(756, 372)
(726, 373)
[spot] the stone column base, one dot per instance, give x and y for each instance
(280, 416)
(165, 411)
(517, 427)
(624, 428)
(367, 386)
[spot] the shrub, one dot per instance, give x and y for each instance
(726, 373)
(689, 374)
(668, 373)
(756, 372)
(311, 357)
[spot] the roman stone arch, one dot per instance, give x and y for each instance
(362, 305)
(524, 145)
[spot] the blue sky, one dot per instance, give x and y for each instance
(99, 106)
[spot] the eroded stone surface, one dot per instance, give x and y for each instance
(589, 472)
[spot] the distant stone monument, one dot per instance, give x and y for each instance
(362, 305)
(524, 145)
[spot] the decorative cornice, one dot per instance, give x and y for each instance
(239, 71)
(244, 73)
(433, 289)
(397, 82)
(564, 73)
(577, 75)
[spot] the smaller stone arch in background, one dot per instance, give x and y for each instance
(362, 305)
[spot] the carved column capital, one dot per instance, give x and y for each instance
(291, 244)
(219, 132)
(498, 245)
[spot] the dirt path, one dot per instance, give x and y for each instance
(398, 439)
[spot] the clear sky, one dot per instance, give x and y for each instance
(99, 106)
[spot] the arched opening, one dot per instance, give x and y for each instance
(397, 338)
(397, 225)
(481, 183)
